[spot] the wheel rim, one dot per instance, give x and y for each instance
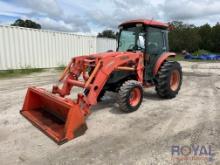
(174, 80)
(135, 96)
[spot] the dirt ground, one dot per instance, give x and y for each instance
(113, 137)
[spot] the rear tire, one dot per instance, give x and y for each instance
(130, 96)
(169, 79)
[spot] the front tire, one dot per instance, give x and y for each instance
(101, 95)
(169, 79)
(130, 96)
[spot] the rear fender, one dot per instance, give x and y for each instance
(161, 60)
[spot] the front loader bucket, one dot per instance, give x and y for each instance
(60, 119)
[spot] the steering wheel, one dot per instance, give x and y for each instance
(139, 48)
(135, 47)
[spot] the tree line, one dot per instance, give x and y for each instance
(192, 38)
(26, 23)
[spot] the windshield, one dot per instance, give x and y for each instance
(131, 39)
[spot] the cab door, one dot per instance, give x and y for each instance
(155, 46)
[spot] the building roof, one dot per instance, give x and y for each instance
(146, 22)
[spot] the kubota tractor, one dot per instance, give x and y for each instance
(141, 61)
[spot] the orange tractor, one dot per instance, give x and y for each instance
(141, 60)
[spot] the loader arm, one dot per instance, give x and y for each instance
(103, 67)
(107, 66)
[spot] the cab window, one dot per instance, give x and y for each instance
(156, 41)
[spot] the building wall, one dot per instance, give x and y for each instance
(105, 44)
(23, 47)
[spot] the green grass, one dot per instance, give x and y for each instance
(178, 57)
(201, 51)
(18, 72)
(25, 71)
(60, 67)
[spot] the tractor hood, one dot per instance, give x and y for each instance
(113, 54)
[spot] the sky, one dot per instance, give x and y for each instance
(87, 16)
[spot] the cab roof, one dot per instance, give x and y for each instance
(146, 22)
